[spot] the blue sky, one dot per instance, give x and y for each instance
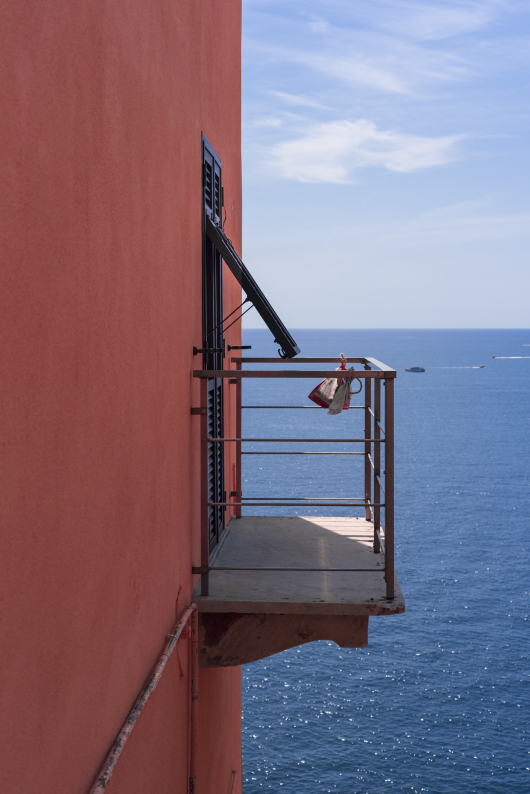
(386, 162)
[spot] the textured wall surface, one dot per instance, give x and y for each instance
(102, 106)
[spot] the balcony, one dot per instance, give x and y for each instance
(274, 582)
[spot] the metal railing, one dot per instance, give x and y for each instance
(378, 389)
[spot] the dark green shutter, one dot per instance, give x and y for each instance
(213, 334)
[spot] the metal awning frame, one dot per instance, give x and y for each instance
(288, 347)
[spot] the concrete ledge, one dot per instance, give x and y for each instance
(232, 638)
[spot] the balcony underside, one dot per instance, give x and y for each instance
(252, 614)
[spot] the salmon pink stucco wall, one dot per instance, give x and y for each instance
(102, 106)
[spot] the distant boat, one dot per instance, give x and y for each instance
(482, 366)
(495, 357)
(414, 369)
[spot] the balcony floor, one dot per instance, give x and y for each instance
(299, 542)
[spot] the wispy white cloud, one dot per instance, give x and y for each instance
(332, 151)
(422, 20)
(478, 220)
(301, 101)
(318, 24)
(397, 46)
(450, 226)
(354, 68)
(267, 121)
(369, 62)
(427, 20)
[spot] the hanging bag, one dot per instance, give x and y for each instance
(335, 393)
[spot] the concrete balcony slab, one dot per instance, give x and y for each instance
(299, 542)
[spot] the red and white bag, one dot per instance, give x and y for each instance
(335, 393)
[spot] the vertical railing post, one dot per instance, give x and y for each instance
(239, 395)
(389, 487)
(205, 510)
(377, 464)
(367, 444)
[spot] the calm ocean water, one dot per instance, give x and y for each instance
(439, 701)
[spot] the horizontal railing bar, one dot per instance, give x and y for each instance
(303, 453)
(297, 360)
(309, 498)
(383, 367)
(303, 440)
(289, 373)
(294, 504)
(307, 407)
(378, 423)
(319, 570)
(381, 541)
(301, 360)
(377, 477)
(310, 407)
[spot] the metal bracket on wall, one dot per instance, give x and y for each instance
(198, 411)
(197, 350)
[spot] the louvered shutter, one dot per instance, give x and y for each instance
(213, 335)
(215, 460)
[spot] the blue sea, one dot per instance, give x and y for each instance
(439, 701)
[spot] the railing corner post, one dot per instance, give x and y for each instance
(377, 465)
(368, 444)
(389, 487)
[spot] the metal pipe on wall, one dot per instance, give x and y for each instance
(107, 768)
(194, 717)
